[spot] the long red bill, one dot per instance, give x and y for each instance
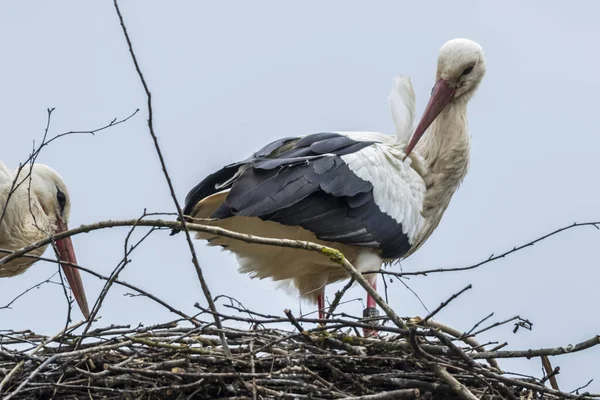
(440, 97)
(67, 254)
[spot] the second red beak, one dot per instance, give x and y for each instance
(67, 254)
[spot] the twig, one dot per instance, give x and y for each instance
(252, 368)
(582, 387)
(551, 376)
(33, 156)
(526, 385)
(443, 304)
(500, 346)
(203, 283)
(458, 388)
(338, 297)
(550, 373)
(490, 315)
(414, 293)
(494, 325)
(492, 257)
(454, 348)
(391, 395)
(143, 293)
(293, 320)
(552, 351)
(119, 282)
(119, 268)
(36, 286)
(471, 341)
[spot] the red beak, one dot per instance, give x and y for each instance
(440, 97)
(67, 254)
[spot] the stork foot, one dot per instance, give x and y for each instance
(370, 312)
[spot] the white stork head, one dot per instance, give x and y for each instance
(50, 205)
(49, 190)
(461, 66)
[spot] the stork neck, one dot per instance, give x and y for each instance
(446, 142)
(445, 150)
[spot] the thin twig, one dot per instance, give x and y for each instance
(443, 304)
(338, 297)
(552, 351)
(550, 373)
(188, 237)
(491, 258)
(37, 150)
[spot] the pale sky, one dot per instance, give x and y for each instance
(229, 77)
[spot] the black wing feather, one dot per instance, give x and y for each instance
(208, 186)
(304, 182)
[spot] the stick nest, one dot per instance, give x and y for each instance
(175, 361)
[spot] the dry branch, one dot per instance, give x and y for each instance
(203, 284)
(493, 257)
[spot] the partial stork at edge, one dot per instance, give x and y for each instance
(374, 197)
(37, 209)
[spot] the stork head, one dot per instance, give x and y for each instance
(49, 190)
(461, 66)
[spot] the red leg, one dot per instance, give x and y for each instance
(321, 304)
(371, 310)
(370, 300)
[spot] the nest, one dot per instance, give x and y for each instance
(178, 360)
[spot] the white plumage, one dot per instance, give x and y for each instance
(402, 106)
(398, 189)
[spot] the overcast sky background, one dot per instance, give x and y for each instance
(229, 77)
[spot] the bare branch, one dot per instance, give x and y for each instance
(203, 284)
(338, 297)
(491, 258)
(118, 269)
(552, 351)
(459, 388)
(550, 373)
(444, 304)
(36, 286)
(16, 183)
(391, 395)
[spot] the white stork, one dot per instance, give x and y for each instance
(39, 206)
(367, 194)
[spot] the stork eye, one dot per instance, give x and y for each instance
(467, 70)
(62, 200)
